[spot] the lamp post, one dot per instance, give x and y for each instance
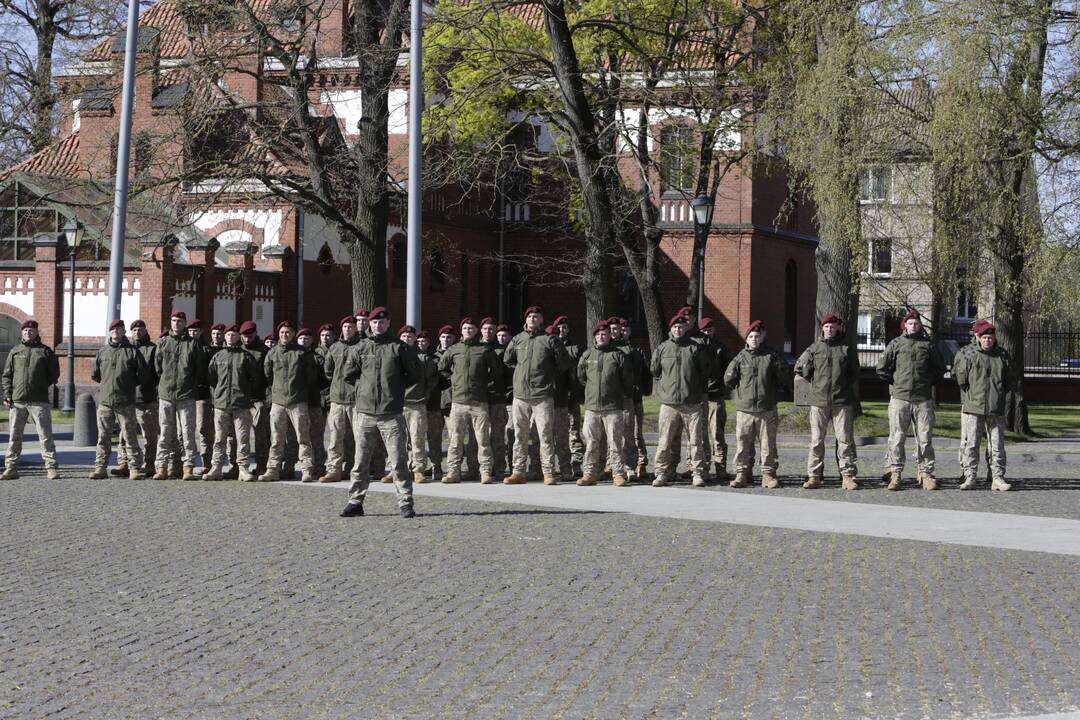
(416, 164)
(702, 206)
(73, 234)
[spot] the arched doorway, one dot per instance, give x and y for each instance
(10, 332)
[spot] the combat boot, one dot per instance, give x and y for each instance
(586, 480)
(620, 480)
(419, 478)
(308, 477)
(387, 478)
(245, 475)
(999, 483)
(214, 473)
(849, 481)
(331, 477)
(161, 474)
(813, 482)
(969, 483)
(575, 469)
(353, 509)
(100, 473)
(233, 474)
(189, 473)
(659, 481)
(287, 473)
(698, 481)
(514, 478)
(893, 478)
(120, 471)
(550, 480)
(271, 475)
(452, 478)
(407, 510)
(51, 473)
(176, 472)
(11, 473)
(928, 481)
(742, 478)
(135, 474)
(721, 472)
(769, 480)
(641, 471)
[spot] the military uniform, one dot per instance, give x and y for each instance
(260, 408)
(912, 365)
(498, 412)
(606, 374)
(340, 393)
(318, 398)
(146, 408)
(471, 367)
(680, 368)
(235, 379)
(715, 409)
(415, 412)
(180, 367)
(985, 380)
(831, 367)
(31, 369)
(634, 453)
(291, 374)
(119, 369)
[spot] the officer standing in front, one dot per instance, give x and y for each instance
(31, 369)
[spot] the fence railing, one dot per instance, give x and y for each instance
(1046, 353)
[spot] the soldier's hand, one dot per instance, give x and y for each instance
(9, 403)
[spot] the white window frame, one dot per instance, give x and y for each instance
(866, 327)
(867, 184)
(963, 291)
(871, 254)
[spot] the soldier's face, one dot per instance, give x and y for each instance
(217, 336)
(503, 337)
(533, 321)
(913, 326)
(286, 335)
(709, 331)
(29, 334)
(487, 332)
(468, 331)
(678, 330)
(116, 334)
(987, 341)
(232, 339)
(446, 340)
(362, 324)
(754, 339)
(304, 340)
(378, 327)
(348, 331)
(326, 337)
(408, 338)
(830, 330)
(602, 338)
(178, 325)
(194, 333)
(423, 344)
(615, 331)
(140, 333)
(564, 331)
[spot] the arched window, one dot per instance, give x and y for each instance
(791, 304)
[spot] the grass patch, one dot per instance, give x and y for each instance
(57, 417)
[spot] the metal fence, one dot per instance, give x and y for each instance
(1046, 353)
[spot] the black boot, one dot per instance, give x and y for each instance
(353, 510)
(407, 510)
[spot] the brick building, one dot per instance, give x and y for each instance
(221, 252)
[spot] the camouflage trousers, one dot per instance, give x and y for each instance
(670, 424)
(603, 430)
(227, 424)
(436, 421)
(416, 422)
(525, 412)
(176, 444)
(260, 427)
(751, 428)
(281, 418)
(633, 449)
(716, 448)
(317, 435)
(561, 438)
(464, 416)
(42, 416)
(920, 414)
(341, 446)
(204, 429)
(373, 432)
(842, 419)
(577, 438)
(972, 430)
(147, 416)
(499, 420)
(107, 417)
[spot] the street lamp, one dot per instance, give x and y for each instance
(702, 206)
(73, 234)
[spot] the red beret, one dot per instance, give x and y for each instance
(218, 326)
(324, 327)
(267, 336)
(362, 312)
(232, 328)
(550, 329)
(502, 328)
(29, 324)
(830, 318)
(406, 329)
(678, 320)
(247, 327)
(422, 335)
(138, 324)
(911, 315)
(164, 333)
(284, 324)
(378, 313)
(755, 325)
(623, 322)
(602, 325)
(983, 327)
(179, 314)
(446, 330)
(704, 323)
(613, 320)
(466, 321)
(116, 324)
(686, 310)
(196, 323)
(533, 309)
(347, 320)
(303, 331)
(488, 321)
(560, 320)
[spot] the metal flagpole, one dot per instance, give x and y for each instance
(123, 150)
(416, 108)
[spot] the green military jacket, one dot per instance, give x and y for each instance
(984, 379)
(607, 374)
(203, 391)
(755, 377)
(180, 367)
(258, 351)
(471, 367)
(31, 369)
(341, 391)
(291, 373)
(119, 370)
(643, 379)
(717, 390)
(536, 358)
(832, 369)
(445, 393)
(912, 365)
(568, 391)
(321, 353)
(315, 391)
(234, 378)
(147, 390)
(434, 396)
(419, 391)
(381, 367)
(681, 370)
(502, 389)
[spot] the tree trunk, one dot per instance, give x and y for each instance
(42, 98)
(367, 250)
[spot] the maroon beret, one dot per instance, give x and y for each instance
(362, 312)
(613, 320)
(560, 320)
(196, 324)
(31, 323)
(422, 335)
(686, 310)
(303, 331)
(467, 320)
(678, 320)
(324, 327)
(218, 326)
(602, 325)
(830, 318)
(347, 320)
(446, 330)
(912, 314)
(502, 328)
(533, 309)
(406, 329)
(378, 313)
(623, 322)
(755, 325)
(983, 327)
(164, 333)
(116, 324)
(488, 321)
(232, 328)
(179, 314)
(704, 323)
(267, 338)
(138, 324)
(247, 327)
(284, 324)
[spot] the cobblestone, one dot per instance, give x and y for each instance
(123, 599)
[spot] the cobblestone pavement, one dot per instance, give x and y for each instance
(149, 599)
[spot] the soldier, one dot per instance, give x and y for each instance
(983, 374)
(535, 358)
(339, 420)
(235, 379)
(146, 406)
(831, 366)
(316, 418)
(327, 338)
(382, 367)
(260, 409)
(503, 335)
(498, 399)
(204, 408)
(180, 367)
(427, 352)
(607, 375)
(447, 338)
(415, 409)
(680, 368)
(754, 377)
(31, 369)
(912, 365)
(268, 341)
(568, 446)
(119, 369)
(362, 322)
(290, 373)
(472, 368)
(715, 409)
(635, 456)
